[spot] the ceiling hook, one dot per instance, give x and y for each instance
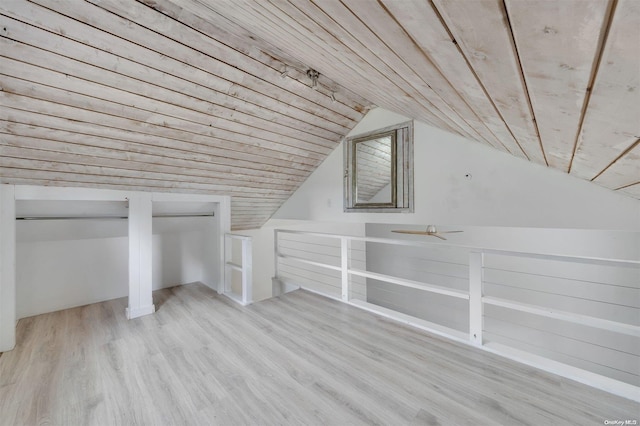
(313, 75)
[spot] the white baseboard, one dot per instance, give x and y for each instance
(280, 287)
(598, 381)
(236, 298)
(588, 378)
(139, 312)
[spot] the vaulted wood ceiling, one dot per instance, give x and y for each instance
(212, 95)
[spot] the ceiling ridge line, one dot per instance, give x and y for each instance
(607, 24)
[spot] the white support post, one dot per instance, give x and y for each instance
(7, 268)
(225, 227)
(276, 253)
(247, 272)
(228, 272)
(344, 265)
(276, 285)
(476, 267)
(140, 255)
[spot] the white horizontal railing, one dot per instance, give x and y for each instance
(245, 268)
(410, 283)
(339, 254)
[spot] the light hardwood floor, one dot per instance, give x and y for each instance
(297, 359)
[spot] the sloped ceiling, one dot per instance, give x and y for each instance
(212, 95)
(118, 95)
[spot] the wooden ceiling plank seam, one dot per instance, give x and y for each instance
(216, 151)
(242, 203)
(47, 19)
(153, 153)
(98, 17)
(18, 149)
(358, 48)
(39, 91)
(438, 106)
(274, 145)
(169, 150)
(15, 137)
(28, 155)
(451, 102)
(608, 20)
(477, 102)
(622, 154)
(234, 141)
(430, 113)
(625, 170)
(414, 58)
(251, 214)
(99, 174)
(359, 71)
(263, 212)
(337, 128)
(469, 28)
(252, 205)
(628, 186)
(275, 58)
(411, 34)
(209, 11)
(524, 80)
(56, 110)
(555, 43)
(12, 159)
(319, 51)
(102, 77)
(173, 51)
(612, 121)
(630, 191)
(247, 214)
(30, 180)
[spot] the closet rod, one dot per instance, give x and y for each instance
(106, 217)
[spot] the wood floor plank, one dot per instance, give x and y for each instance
(296, 359)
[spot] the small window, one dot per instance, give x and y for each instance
(378, 173)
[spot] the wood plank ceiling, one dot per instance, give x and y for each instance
(212, 95)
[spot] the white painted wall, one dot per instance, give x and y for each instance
(503, 191)
(67, 263)
(7, 268)
(508, 204)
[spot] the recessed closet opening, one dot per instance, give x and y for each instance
(185, 243)
(69, 253)
(73, 253)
